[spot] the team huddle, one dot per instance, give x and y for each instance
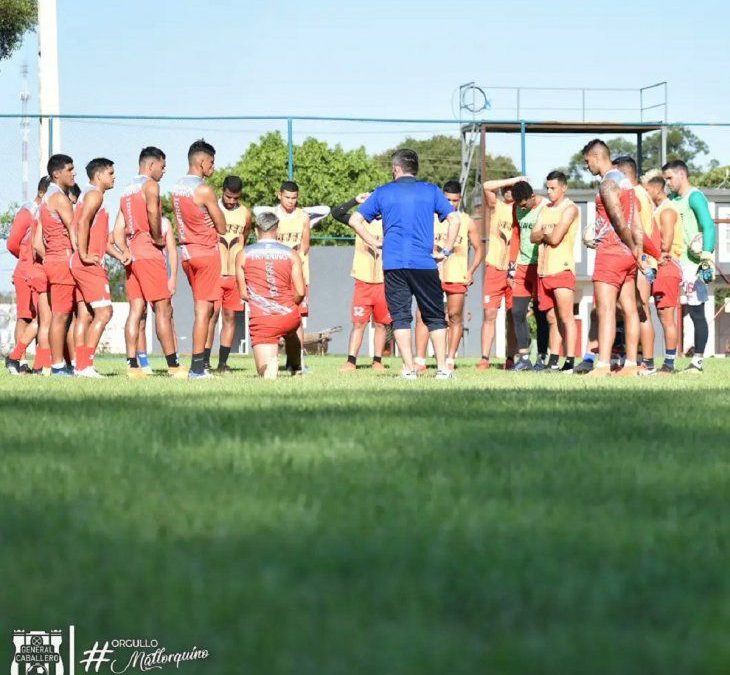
(652, 238)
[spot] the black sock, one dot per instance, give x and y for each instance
(486, 358)
(223, 353)
(206, 355)
(553, 361)
(568, 363)
(132, 362)
(352, 359)
(377, 359)
(541, 357)
(172, 360)
(649, 363)
(524, 357)
(198, 363)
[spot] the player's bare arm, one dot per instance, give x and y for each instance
(306, 234)
(454, 220)
(205, 196)
(491, 187)
(246, 228)
(62, 205)
(477, 243)
(119, 239)
(297, 274)
(151, 192)
(611, 196)
(89, 208)
(667, 223)
(171, 249)
(558, 233)
(241, 275)
(39, 248)
(357, 223)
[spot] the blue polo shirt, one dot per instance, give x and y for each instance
(407, 206)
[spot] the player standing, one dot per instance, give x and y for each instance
(697, 258)
(271, 280)
(200, 221)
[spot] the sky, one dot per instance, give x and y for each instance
(357, 59)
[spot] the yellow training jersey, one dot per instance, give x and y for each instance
(367, 264)
(229, 244)
(453, 269)
(500, 234)
(646, 211)
(291, 230)
(235, 218)
(561, 258)
(677, 248)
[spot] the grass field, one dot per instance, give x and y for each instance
(501, 523)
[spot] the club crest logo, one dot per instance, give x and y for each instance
(37, 653)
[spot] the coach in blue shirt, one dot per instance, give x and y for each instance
(407, 207)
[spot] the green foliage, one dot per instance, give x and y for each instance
(718, 176)
(6, 220)
(117, 279)
(17, 17)
(325, 175)
(682, 144)
(440, 159)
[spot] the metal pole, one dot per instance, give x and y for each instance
(290, 147)
(50, 136)
(523, 148)
(518, 103)
(664, 145)
(639, 153)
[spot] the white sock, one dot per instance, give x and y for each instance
(628, 362)
(419, 361)
(601, 364)
(58, 366)
(697, 360)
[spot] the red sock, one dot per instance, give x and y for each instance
(19, 351)
(42, 358)
(80, 354)
(90, 356)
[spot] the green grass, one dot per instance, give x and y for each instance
(501, 523)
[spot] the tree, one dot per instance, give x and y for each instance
(716, 177)
(682, 144)
(325, 175)
(17, 17)
(440, 159)
(6, 220)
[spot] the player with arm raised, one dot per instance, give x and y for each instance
(200, 222)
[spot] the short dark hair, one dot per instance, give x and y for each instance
(96, 165)
(75, 190)
(406, 159)
(289, 186)
(595, 143)
(452, 187)
(201, 145)
(558, 176)
(676, 164)
(657, 180)
(521, 190)
(151, 152)
(57, 162)
(233, 184)
(43, 184)
(625, 161)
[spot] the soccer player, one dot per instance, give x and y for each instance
(527, 208)
(627, 166)
(200, 221)
(456, 277)
(407, 207)
(368, 299)
(238, 222)
(497, 262)
(697, 259)
(138, 235)
(555, 231)
(87, 262)
(53, 242)
(619, 247)
(294, 231)
(270, 278)
(33, 313)
(669, 272)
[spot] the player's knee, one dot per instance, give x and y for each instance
(490, 314)
(456, 317)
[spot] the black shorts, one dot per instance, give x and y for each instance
(402, 285)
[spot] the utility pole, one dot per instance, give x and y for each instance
(24, 129)
(50, 131)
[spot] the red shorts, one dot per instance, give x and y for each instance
(38, 279)
(268, 330)
(26, 299)
(525, 282)
(147, 280)
(369, 300)
(666, 287)
(453, 289)
(92, 283)
(614, 269)
(61, 286)
(228, 295)
(546, 288)
(204, 276)
(304, 306)
(495, 288)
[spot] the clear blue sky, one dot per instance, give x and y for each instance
(376, 58)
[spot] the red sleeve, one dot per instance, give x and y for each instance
(514, 242)
(652, 244)
(21, 224)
